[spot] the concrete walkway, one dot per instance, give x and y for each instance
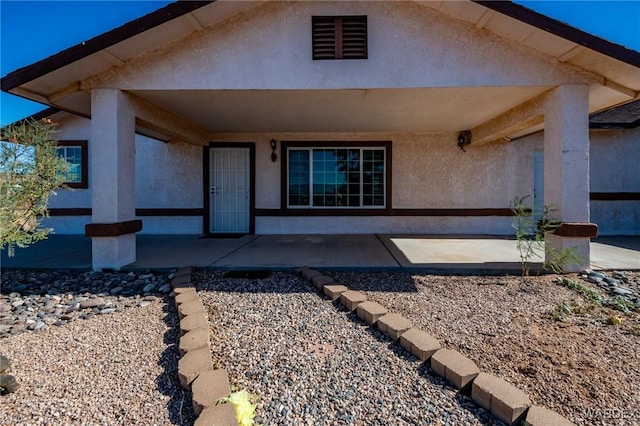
(427, 253)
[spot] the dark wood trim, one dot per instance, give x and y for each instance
(334, 144)
(461, 212)
(206, 202)
(45, 113)
(284, 181)
(112, 229)
(98, 43)
(77, 211)
(388, 174)
(563, 30)
(170, 212)
(206, 179)
(252, 191)
(40, 115)
(386, 212)
(84, 177)
(576, 229)
(81, 211)
(615, 196)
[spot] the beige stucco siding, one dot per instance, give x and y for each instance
(431, 172)
(428, 172)
(383, 225)
(269, 47)
(615, 167)
(167, 176)
(615, 160)
(73, 128)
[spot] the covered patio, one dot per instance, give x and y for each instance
(370, 252)
(461, 107)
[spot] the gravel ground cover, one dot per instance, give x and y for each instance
(118, 367)
(583, 367)
(308, 360)
(35, 300)
(311, 362)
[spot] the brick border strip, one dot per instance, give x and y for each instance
(195, 367)
(503, 400)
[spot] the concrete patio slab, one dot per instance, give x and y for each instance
(484, 252)
(420, 253)
(316, 251)
(621, 252)
(57, 251)
(445, 252)
(161, 251)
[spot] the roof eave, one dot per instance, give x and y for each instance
(31, 72)
(563, 30)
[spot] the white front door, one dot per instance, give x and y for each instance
(229, 190)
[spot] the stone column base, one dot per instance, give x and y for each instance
(113, 252)
(556, 244)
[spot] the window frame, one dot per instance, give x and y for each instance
(286, 146)
(84, 162)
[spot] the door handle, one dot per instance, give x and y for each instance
(213, 190)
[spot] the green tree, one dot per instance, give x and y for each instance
(30, 170)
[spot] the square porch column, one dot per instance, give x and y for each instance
(566, 171)
(113, 227)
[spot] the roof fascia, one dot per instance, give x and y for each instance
(102, 41)
(563, 30)
(45, 113)
(599, 125)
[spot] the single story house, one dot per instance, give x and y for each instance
(399, 117)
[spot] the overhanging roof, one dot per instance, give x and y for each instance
(563, 30)
(625, 116)
(55, 81)
(100, 42)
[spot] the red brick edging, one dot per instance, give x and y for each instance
(195, 368)
(503, 400)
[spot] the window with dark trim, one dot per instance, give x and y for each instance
(76, 156)
(339, 37)
(336, 177)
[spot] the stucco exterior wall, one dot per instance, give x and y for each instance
(428, 172)
(269, 47)
(384, 225)
(73, 128)
(614, 168)
(432, 172)
(168, 176)
(410, 47)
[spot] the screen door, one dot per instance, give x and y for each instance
(229, 189)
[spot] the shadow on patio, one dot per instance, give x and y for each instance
(448, 254)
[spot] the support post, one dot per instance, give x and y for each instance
(112, 145)
(566, 171)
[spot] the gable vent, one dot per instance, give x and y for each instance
(339, 37)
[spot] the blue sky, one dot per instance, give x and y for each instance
(34, 30)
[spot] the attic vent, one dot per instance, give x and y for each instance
(339, 37)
